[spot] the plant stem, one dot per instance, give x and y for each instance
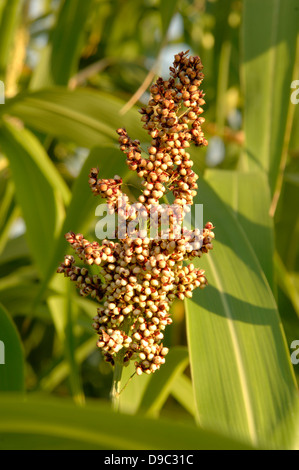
(117, 372)
(115, 390)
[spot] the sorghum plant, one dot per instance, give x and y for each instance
(139, 276)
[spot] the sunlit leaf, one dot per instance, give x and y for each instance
(182, 391)
(83, 116)
(40, 190)
(269, 31)
(248, 195)
(243, 379)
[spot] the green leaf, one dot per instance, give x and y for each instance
(269, 34)
(252, 212)
(243, 379)
(39, 188)
(21, 304)
(69, 313)
(57, 424)
(22, 280)
(14, 249)
(182, 391)
(61, 55)
(86, 117)
(11, 355)
(64, 313)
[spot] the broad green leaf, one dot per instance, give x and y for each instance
(269, 34)
(40, 190)
(160, 385)
(61, 54)
(86, 117)
(244, 384)
(182, 391)
(37, 422)
(252, 212)
(11, 355)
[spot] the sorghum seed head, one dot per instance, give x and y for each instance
(139, 277)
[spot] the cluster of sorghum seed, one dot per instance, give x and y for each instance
(172, 119)
(139, 276)
(87, 285)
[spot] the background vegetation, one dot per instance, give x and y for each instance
(74, 71)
